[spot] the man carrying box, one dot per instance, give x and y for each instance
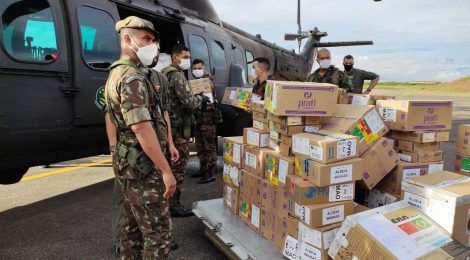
(261, 67)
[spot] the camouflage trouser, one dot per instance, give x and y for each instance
(146, 227)
(117, 213)
(206, 142)
(179, 167)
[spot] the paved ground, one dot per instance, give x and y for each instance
(65, 214)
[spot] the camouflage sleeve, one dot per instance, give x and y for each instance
(134, 100)
(367, 75)
(183, 92)
(345, 82)
(165, 90)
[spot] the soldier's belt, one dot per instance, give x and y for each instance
(137, 159)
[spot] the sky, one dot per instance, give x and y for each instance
(414, 40)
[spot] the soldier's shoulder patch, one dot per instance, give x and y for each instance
(133, 77)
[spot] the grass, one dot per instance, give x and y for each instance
(461, 85)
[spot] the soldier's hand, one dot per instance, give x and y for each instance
(170, 184)
(175, 155)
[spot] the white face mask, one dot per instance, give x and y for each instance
(146, 54)
(198, 73)
(184, 64)
(324, 64)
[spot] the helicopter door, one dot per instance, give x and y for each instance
(95, 46)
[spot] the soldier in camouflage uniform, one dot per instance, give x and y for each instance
(182, 106)
(206, 131)
(138, 161)
(328, 73)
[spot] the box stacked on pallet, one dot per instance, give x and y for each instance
(462, 149)
(233, 148)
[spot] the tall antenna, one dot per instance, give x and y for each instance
(299, 31)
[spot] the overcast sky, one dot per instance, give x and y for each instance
(413, 39)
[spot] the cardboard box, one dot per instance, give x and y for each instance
(255, 137)
(323, 175)
(420, 157)
(290, 248)
(292, 226)
(294, 120)
(462, 164)
(254, 160)
(394, 231)
(255, 217)
(462, 142)
(239, 97)
(343, 97)
(289, 130)
(324, 146)
(203, 85)
(231, 175)
(282, 148)
(258, 106)
(269, 196)
(358, 208)
(281, 232)
(233, 150)
(409, 146)
(260, 117)
(379, 160)
(250, 187)
(369, 99)
(361, 121)
(378, 198)
(307, 251)
(445, 198)
(289, 98)
(282, 203)
(278, 167)
(260, 125)
(406, 115)
(231, 197)
(320, 238)
(306, 193)
(405, 170)
(422, 136)
(244, 207)
(267, 224)
(319, 215)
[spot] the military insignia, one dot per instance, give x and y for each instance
(134, 77)
(100, 101)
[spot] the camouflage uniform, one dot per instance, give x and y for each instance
(206, 138)
(146, 226)
(334, 76)
(357, 77)
(182, 106)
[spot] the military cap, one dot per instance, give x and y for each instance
(135, 22)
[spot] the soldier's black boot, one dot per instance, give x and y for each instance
(177, 209)
(208, 177)
(200, 173)
(173, 244)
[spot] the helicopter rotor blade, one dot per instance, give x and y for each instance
(347, 43)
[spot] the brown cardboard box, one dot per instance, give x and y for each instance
(283, 203)
(319, 215)
(405, 170)
(290, 248)
(231, 175)
(394, 231)
(281, 232)
(307, 251)
(258, 106)
(422, 136)
(289, 98)
(378, 198)
(289, 130)
(287, 120)
(323, 175)
(361, 121)
(305, 193)
(233, 150)
(462, 164)
(358, 208)
(254, 160)
(369, 99)
(255, 137)
(293, 226)
(260, 117)
(203, 85)
(286, 140)
(255, 217)
(379, 160)
(269, 196)
(445, 198)
(320, 238)
(406, 115)
(261, 125)
(231, 196)
(285, 150)
(324, 146)
(267, 225)
(420, 157)
(245, 183)
(462, 142)
(244, 206)
(374, 98)
(343, 97)
(239, 97)
(278, 167)
(229, 95)
(409, 146)
(250, 187)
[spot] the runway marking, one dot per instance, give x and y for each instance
(46, 174)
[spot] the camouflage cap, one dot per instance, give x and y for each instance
(138, 23)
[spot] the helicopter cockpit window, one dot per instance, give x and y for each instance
(249, 66)
(98, 37)
(199, 50)
(218, 54)
(28, 30)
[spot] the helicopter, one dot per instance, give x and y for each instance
(54, 60)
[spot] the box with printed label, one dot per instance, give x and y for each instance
(328, 174)
(318, 237)
(292, 226)
(203, 85)
(244, 207)
(254, 160)
(250, 187)
(421, 157)
(394, 231)
(409, 146)
(280, 233)
(405, 170)
(258, 106)
(268, 223)
(288, 130)
(407, 115)
(462, 142)
(379, 160)
(269, 196)
(255, 217)
(278, 167)
(289, 98)
(239, 97)
(306, 193)
(324, 146)
(231, 175)
(422, 136)
(361, 121)
(261, 125)
(462, 164)
(255, 137)
(377, 198)
(260, 117)
(282, 203)
(320, 215)
(294, 120)
(307, 251)
(369, 99)
(445, 198)
(290, 248)
(233, 150)
(231, 197)
(358, 208)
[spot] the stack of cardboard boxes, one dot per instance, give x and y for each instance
(462, 158)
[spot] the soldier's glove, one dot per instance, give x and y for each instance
(205, 101)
